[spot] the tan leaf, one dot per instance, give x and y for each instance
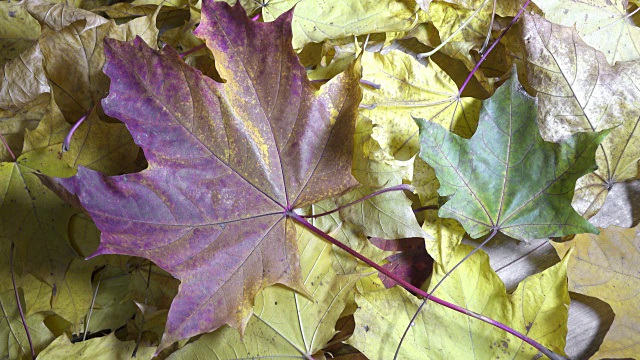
(74, 57)
(18, 31)
(606, 266)
(316, 21)
(603, 24)
(57, 15)
(579, 91)
(14, 122)
(23, 79)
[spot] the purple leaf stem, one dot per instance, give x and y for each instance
(429, 295)
(15, 291)
(408, 286)
(484, 56)
(382, 191)
(67, 139)
(8, 148)
(425, 208)
(192, 50)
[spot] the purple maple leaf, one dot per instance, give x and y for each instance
(227, 163)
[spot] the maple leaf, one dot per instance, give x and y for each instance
(606, 266)
(317, 21)
(227, 163)
(603, 24)
(32, 217)
(285, 323)
(506, 177)
(411, 89)
(111, 310)
(538, 308)
(577, 91)
(387, 215)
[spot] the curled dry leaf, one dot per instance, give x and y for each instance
(55, 16)
(23, 80)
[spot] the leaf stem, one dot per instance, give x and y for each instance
(425, 208)
(93, 302)
(192, 50)
(8, 148)
(415, 315)
(15, 291)
(484, 56)
(66, 144)
(486, 40)
(302, 221)
(382, 191)
(462, 26)
(143, 310)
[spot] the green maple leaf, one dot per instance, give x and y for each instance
(506, 177)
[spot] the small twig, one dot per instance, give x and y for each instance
(13, 156)
(486, 40)
(93, 301)
(146, 298)
(382, 191)
(15, 291)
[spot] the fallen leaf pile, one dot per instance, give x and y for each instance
(158, 158)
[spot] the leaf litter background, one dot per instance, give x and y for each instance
(53, 55)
